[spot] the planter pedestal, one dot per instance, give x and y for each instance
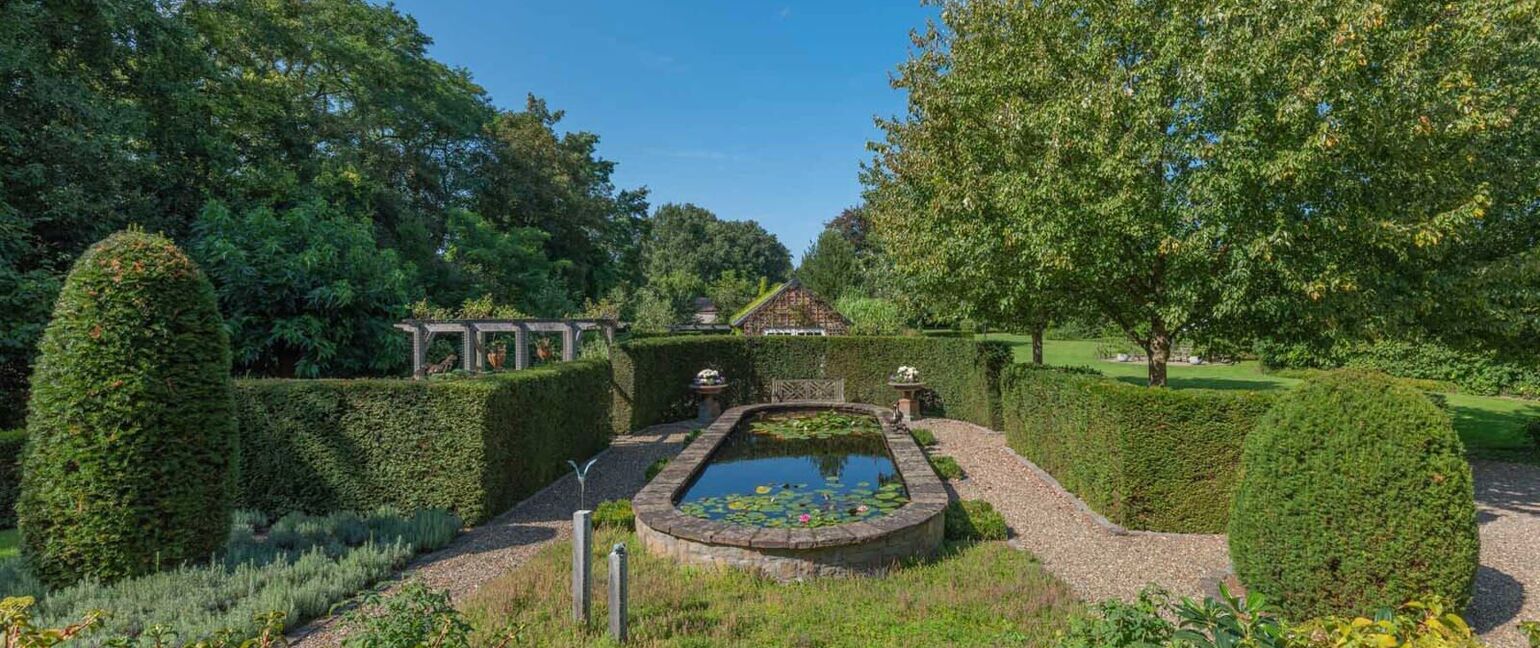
(710, 407)
(908, 399)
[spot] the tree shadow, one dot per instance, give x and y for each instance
(1506, 487)
(1237, 384)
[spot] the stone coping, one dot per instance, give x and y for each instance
(654, 505)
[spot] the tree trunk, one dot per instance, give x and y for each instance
(1159, 353)
(1037, 345)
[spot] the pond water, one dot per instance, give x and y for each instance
(799, 470)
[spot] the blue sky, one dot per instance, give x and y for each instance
(751, 109)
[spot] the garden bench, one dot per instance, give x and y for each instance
(815, 389)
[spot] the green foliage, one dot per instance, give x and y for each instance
(17, 626)
(1355, 496)
(830, 267)
(655, 467)
(946, 467)
(616, 514)
(302, 566)
(11, 444)
(1155, 161)
(1155, 459)
(1473, 372)
(130, 461)
(652, 375)
(1417, 624)
(870, 316)
(1531, 630)
(983, 594)
(509, 266)
(416, 616)
(1532, 429)
(691, 240)
(1115, 624)
(306, 291)
(475, 445)
(923, 436)
(731, 292)
(970, 520)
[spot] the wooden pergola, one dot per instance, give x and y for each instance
(473, 334)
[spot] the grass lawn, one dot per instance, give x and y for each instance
(1492, 427)
(10, 543)
(979, 595)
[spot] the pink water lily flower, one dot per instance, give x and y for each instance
(804, 518)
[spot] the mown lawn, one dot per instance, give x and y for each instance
(10, 543)
(977, 595)
(1492, 427)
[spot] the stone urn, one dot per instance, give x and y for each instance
(710, 406)
(908, 398)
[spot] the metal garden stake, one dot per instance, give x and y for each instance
(582, 570)
(618, 592)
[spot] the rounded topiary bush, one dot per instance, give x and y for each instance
(131, 434)
(1354, 496)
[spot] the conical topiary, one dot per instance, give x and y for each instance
(131, 434)
(1355, 495)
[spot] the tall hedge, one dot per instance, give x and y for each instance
(1356, 495)
(1152, 459)
(652, 375)
(473, 445)
(129, 462)
(11, 444)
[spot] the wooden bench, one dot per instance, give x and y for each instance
(816, 389)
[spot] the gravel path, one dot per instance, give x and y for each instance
(1099, 564)
(505, 542)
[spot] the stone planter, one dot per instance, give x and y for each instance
(710, 407)
(908, 399)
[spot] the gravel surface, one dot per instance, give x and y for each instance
(506, 541)
(1098, 564)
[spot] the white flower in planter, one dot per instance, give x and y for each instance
(906, 375)
(1195, 360)
(709, 377)
(1122, 357)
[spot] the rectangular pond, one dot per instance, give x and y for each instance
(798, 470)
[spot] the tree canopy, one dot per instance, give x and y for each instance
(1193, 165)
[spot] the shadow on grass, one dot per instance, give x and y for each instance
(1497, 435)
(1180, 382)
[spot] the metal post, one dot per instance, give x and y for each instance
(618, 592)
(582, 570)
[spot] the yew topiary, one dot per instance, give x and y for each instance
(1355, 495)
(130, 459)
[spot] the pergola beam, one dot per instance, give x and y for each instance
(473, 338)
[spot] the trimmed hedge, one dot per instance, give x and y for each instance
(1356, 496)
(1153, 459)
(1471, 372)
(130, 459)
(472, 445)
(11, 444)
(652, 375)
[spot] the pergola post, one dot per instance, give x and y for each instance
(420, 341)
(609, 333)
(569, 342)
(521, 347)
(468, 347)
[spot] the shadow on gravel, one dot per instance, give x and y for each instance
(1507, 487)
(1497, 602)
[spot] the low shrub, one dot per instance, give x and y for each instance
(1356, 496)
(317, 562)
(18, 628)
(652, 375)
(1155, 620)
(1532, 428)
(1439, 367)
(131, 460)
(922, 436)
(974, 520)
(475, 445)
(1531, 630)
(655, 467)
(870, 315)
(416, 615)
(946, 467)
(615, 514)
(11, 444)
(1154, 459)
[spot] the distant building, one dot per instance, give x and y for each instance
(791, 309)
(705, 311)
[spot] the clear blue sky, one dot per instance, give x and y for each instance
(749, 108)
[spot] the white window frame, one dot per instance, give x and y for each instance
(796, 331)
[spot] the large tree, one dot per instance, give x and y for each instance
(1193, 164)
(691, 239)
(829, 266)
